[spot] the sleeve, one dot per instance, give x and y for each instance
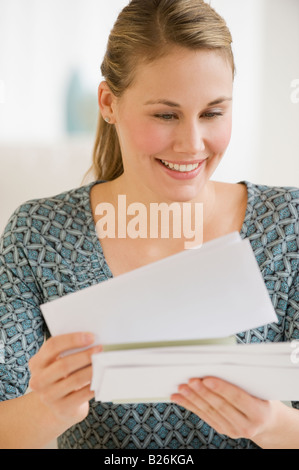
(21, 321)
(292, 318)
(292, 313)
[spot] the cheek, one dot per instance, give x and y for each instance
(220, 138)
(148, 138)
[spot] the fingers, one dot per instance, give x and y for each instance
(236, 396)
(60, 368)
(200, 401)
(252, 411)
(219, 424)
(58, 345)
(72, 384)
(62, 382)
(224, 406)
(75, 401)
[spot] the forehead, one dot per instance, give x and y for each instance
(182, 73)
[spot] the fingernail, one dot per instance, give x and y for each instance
(195, 384)
(184, 390)
(209, 383)
(176, 399)
(87, 338)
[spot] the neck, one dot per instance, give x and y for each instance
(136, 192)
(151, 217)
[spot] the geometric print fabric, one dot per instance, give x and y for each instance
(50, 248)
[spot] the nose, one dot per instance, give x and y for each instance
(189, 139)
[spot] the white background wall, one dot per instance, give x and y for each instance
(265, 141)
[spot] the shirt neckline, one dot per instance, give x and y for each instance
(98, 244)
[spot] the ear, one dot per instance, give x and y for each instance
(106, 100)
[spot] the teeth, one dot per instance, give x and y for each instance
(182, 168)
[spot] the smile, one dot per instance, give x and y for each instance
(181, 168)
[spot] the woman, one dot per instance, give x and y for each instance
(164, 126)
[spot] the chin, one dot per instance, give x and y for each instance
(182, 194)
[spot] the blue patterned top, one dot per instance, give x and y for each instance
(50, 248)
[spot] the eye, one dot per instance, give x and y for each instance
(211, 115)
(166, 116)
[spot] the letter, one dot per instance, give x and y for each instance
(108, 220)
(164, 209)
(134, 461)
(197, 233)
(140, 220)
(295, 93)
(107, 461)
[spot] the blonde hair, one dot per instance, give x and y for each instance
(145, 31)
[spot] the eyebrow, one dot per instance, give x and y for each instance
(176, 105)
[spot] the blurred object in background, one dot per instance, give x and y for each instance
(81, 107)
(43, 43)
(40, 170)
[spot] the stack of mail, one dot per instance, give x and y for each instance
(266, 370)
(214, 291)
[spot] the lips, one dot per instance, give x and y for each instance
(182, 170)
(182, 167)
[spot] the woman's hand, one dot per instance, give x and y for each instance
(63, 383)
(227, 408)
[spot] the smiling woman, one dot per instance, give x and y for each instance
(159, 28)
(164, 126)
